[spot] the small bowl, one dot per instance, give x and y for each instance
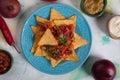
(113, 19)
(5, 61)
(93, 15)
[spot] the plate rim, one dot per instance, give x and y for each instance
(72, 7)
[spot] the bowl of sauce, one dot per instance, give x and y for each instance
(113, 27)
(94, 8)
(5, 61)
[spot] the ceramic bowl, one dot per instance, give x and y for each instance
(6, 62)
(93, 15)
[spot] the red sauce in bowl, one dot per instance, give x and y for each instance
(5, 61)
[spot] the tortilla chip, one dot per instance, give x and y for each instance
(79, 41)
(74, 20)
(40, 19)
(37, 39)
(48, 57)
(48, 39)
(35, 29)
(40, 52)
(63, 22)
(72, 56)
(55, 15)
(55, 62)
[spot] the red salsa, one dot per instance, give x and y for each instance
(64, 36)
(5, 61)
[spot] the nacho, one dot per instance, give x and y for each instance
(74, 20)
(79, 41)
(40, 52)
(40, 19)
(55, 15)
(47, 39)
(71, 20)
(63, 22)
(73, 57)
(55, 62)
(37, 39)
(35, 29)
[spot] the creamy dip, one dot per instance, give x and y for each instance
(114, 26)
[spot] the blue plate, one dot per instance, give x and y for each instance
(41, 63)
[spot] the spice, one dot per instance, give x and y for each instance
(93, 6)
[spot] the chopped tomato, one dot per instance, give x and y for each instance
(64, 56)
(44, 26)
(64, 36)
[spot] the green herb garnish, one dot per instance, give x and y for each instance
(48, 46)
(56, 51)
(67, 43)
(62, 39)
(49, 52)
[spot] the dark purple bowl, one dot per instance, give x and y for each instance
(6, 61)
